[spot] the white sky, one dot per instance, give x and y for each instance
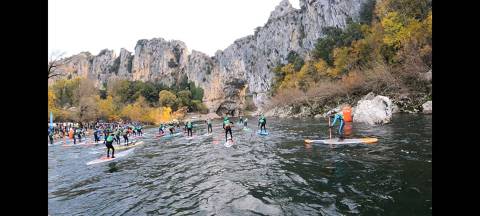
(204, 25)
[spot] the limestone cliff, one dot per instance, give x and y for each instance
(242, 69)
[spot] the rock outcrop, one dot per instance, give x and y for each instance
(242, 69)
(373, 110)
(427, 107)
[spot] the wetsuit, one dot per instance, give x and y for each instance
(125, 136)
(50, 136)
(241, 120)
(109, 145)
(189, 127)
(262, 122)
(105, 135)
(95, 136)
(74, 136)
(79, 134)
(339, 117)
(160, 129)
(134, 131)
(245, 122)
(171, 129)
(209, 126)
(139, 128)
(228, 129)
(117, 136)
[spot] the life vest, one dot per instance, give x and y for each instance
(189, 125)
(347, 113)
(226, 123)
(109, 138)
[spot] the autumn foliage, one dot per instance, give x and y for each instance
(389, 52)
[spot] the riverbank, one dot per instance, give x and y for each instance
(368, 106)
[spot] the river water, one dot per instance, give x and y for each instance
(259, 175)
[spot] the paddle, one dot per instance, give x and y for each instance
(329, 128)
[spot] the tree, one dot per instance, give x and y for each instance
(87, 110)
(106, 108)
(167, 98)
(150, 93)
(184, 98)
(54, 63)
(295, 59)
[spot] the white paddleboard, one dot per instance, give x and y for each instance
(121, 147)
(105, 159)
(190, 137)
(345, 141)
(228, 144)
(263, 133)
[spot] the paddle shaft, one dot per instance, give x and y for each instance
(329, 128)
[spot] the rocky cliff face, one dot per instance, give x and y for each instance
(242, 69)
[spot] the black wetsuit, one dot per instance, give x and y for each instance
(95, 136)
(109, 145)
(125, 136)
(105, 135)
(228, 129)
(117, 136)
(262, 124)
(50, 136)
(189, 127)
(74, 136)
(209, 126)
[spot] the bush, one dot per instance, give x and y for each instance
(199, 106)
(184, 98)
(167, 98)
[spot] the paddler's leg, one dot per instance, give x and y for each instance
(340, 130)
(113, 151)
(230, 131)
(108, 151)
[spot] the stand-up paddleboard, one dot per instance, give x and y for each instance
(91, 143)
(160, 134)
(190, 137)
(345, 141)
(121, 147)
(229, 143)
(247, 129)
(70, 143)
(105, 159)
(172, 135)
(208, 134)
(263, 133)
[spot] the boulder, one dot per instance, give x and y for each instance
(427, 107)
(373, 110)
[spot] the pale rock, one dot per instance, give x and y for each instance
(427, 107)
(373, 111)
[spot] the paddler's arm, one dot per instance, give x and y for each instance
(334, 120)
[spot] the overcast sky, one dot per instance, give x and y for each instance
(204, 25)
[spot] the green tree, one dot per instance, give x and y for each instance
(184, 98)
(167, 98)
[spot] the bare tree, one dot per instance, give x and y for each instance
(53, 64)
